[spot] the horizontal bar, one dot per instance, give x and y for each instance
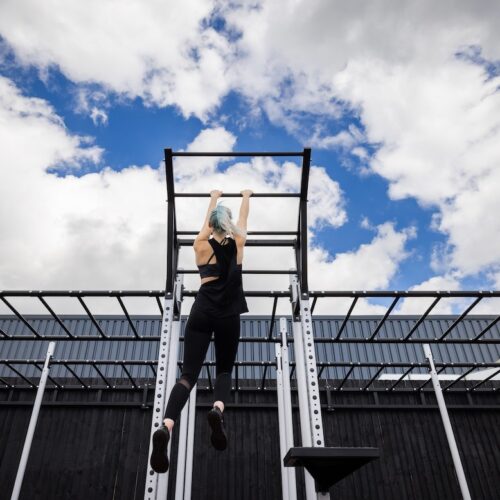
(271, 406)
(252, 243)
(404, 294)
(239, 195)
(319, 294)
(138, 362)
(249, 233)
(249, 293)
(244, 271)
(317, 340)
(235, 153)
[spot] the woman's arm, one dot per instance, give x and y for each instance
(205, 232)
(243, 216)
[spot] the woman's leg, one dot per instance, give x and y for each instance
(197, 334)
(226, 340)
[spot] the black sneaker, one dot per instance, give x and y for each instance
(159, 457)
(216, 422)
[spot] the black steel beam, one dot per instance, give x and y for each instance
(75, 375)
(238, 195)
(344, 379)
(249, 233)
(251, 243)
(319, 294)
(171, 236)
(244, 271)
(55, 316)
(370, 382)
(422, 318)
(459, 378)
(386, 315)
(302, 227)
(124, 309)
(494, 374)
(346, 319)
(401, 378)
(273, 314)
(91, 316)
(461, 317)
(485, 330)
(430, 378)
(237, 153)
(16, 312)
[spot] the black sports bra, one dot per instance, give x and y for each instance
(210, 270)
(207, 270)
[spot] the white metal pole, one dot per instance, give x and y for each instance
(181, 454)
(33, 420)
(305, 424)
(190, 443)
(156, 484)
(170, 382)
(447, 425)
(282, 425)
(287, 406)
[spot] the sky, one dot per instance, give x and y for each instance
(398, 100)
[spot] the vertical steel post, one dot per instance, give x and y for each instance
(190, 444)
(156, 484)
(181, 453)
(447, 425)
(171, 226)
(33, 421)
(285, 486)
(311, 422)
(287, 406)
(302, 230)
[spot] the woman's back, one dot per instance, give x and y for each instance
(224, 295)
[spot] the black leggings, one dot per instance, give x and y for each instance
(197, 335)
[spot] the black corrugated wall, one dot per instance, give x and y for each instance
(101, 452)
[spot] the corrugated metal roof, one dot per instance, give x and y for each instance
(251, 326)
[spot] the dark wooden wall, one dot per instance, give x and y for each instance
(101, 452)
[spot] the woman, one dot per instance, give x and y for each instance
(217, 307)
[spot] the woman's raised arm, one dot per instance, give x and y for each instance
(205, 231)
(244, 210)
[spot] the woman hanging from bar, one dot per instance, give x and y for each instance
(217, 308)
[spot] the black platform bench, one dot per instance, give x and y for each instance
(328, 465)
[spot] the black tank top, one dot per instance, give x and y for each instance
(224, 296)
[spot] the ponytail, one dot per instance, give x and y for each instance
(220, 220)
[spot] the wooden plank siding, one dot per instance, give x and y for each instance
(101, 452)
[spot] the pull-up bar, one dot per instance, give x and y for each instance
(238, 195)
(251, 243)
(239, 154)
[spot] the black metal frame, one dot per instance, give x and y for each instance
(300, 244)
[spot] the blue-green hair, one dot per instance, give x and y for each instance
(220, 220)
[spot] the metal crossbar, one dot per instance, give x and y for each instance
(356, 384)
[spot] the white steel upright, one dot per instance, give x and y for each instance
(447, 425)
(311, 423)
(156, 484)
(288, 478)
(33, 420)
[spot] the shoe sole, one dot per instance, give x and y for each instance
(218, 437)
(159, 459)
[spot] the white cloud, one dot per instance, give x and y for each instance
(370, 267)
(155, 50)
